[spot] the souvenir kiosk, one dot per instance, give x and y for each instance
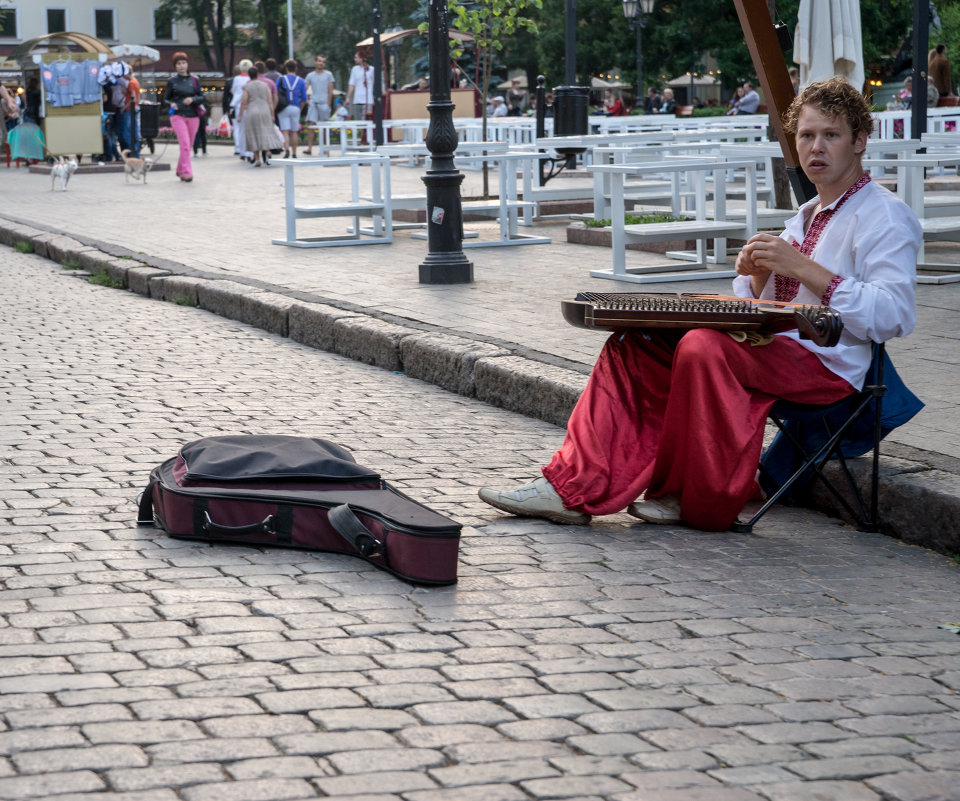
(411, 104)
(66, 66)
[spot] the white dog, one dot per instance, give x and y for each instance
(61, 171)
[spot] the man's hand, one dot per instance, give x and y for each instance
(773, 254)
(776, 255)
(747, 266)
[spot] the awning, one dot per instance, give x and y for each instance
(60, 41)
(136, 55)
(520, 79)
(600, 83)
(698, 80)
(395, 37)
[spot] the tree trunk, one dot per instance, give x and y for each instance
(199, 25)
(216, 38)
(783, 199)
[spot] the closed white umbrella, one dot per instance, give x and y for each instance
(828, 41)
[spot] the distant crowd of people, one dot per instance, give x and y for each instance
(266, 107)
(939, 81)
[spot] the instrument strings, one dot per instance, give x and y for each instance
(636, 301)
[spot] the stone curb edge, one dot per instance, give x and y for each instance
(920, 504)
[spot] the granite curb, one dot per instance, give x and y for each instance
(919, 491)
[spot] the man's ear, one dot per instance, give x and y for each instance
(860, 143)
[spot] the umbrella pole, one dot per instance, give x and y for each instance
(771, 67)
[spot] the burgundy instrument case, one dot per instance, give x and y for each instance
(298, 492)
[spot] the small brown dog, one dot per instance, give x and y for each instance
(138, 168)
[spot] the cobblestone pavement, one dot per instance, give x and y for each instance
(616, 661)
(226, 218)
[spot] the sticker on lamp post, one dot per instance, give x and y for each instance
(436, 217)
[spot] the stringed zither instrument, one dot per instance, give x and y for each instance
(620, 310)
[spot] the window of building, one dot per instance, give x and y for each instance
(104, 24)
(8, 23)
(163, 25)
(56, 20)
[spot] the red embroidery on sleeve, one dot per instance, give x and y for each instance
(828, 293)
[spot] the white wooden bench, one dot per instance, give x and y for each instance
(376, 206)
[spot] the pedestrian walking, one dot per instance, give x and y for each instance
(320, 82)
(290, 87)
(185, 97)
(256, 113)
(360, 87)
(240, 79)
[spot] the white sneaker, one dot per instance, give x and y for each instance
(656, 510)
(536, 499)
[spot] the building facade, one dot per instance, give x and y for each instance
(112, 21)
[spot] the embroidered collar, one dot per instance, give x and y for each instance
(787, 288)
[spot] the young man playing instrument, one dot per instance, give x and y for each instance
(670, 425)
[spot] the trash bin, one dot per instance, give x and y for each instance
(570, 110)
(149, 120)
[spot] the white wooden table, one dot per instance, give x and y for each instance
(507, 206)
(355, 135)
(911, 172)
(699, 229)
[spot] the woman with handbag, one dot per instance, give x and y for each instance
(187, 111)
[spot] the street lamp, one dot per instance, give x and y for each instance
(445, 262)
(636, 12)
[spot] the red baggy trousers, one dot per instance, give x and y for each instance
(681, 414)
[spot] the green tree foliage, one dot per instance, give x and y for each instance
(491, 22)
(216, 23)
(333, 28)
(680, 34)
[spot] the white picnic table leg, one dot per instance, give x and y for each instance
(376, 193)
(752, 223)
(911, 177)
(700, 186)
(289, 202)
(719, 211)
(387, 201)
(618, 235)
(507, 225)
(527, 166)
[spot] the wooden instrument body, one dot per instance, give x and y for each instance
(615, 311)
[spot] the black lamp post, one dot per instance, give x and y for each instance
(393, 61)
(570, 43)
(377, 77)
(445, 262)
(636, 12)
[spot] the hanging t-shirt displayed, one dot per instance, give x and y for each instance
(91, 86)
(67, 82)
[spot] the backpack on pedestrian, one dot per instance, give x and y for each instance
(283, 94)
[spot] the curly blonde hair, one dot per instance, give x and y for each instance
(835, 98)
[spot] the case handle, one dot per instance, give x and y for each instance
(348, 526)
(265, 526)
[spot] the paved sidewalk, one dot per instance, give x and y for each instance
(619, 661)
(223, 223)
(500, 339)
